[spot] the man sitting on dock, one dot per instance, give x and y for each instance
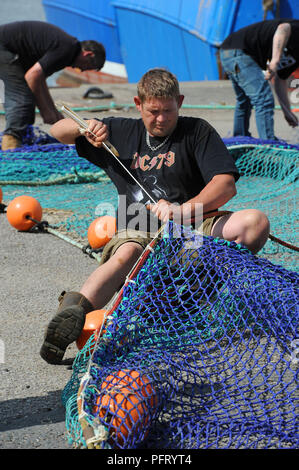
(177, 168)
(30, 51)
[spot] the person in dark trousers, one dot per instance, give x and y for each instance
(180, 162)
(253, 56)
(30, 51)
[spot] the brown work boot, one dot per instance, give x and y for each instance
(66, 326)
(10, 142)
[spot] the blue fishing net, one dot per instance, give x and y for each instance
(199, 349)
(208, 331)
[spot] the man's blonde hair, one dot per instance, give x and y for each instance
(158, 83)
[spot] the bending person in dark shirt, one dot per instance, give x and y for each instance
(251, 57)
(30, 51)
(182, 164)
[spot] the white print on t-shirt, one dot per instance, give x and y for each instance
(286, 61)
(151, 182)
(137, 194)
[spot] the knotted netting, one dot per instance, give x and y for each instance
(200, 347)
(68, 188)
(209, 329)
(73, 192)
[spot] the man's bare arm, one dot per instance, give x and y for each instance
(215, 194)
(36, 81)
(67, 131)
(280, 40)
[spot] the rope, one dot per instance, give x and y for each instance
(114, 105)
(283, 243)
(45, 227)
(271, 237)
(71, 178)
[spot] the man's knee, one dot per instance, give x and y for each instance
(255, 219)
(128, 252)
(250, 227)
(254, 229)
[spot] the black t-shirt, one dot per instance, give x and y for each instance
(176, 172)
(37, 41)
(256, 40)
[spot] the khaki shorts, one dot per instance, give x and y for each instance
(144, 238)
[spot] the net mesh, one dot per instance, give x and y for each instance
(199, 349)
(73, 192)
(210, 329)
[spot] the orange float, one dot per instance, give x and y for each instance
(132, 379)
(128, 401)
(101, 230)
(20, 209)
(93, 322)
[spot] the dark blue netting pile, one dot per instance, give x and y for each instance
(210, 333)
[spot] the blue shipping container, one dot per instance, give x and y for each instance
(180, 35)
(184, 35)
(88, 19)
(252, 12)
